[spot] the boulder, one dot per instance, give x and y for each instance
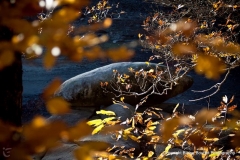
(84, 90)
(71, 118)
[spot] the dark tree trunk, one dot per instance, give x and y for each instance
(10, 85)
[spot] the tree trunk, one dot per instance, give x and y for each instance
(10, 85)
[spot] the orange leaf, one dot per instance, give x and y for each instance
(58, 106)
(49, 60)
(6, 58)
(210, 66)
(51, 88)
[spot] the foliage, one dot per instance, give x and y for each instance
(181, 39)
(201, 134)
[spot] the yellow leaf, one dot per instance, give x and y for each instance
(167, 148)
(165, 151)
(108, 119)
(150, 154)
(152, 128)
(95, 122)
(133, 138)
(175, 135)
(109, 113)
(121, 99)
(58, 106)
(97, 129)
(215, 154)
(157, 46)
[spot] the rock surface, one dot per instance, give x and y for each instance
(84, 90)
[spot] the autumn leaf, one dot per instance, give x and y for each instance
(168, 128)
(49, 60)
(97, 129)
(51, 88)
(95, 122)
(210, 66)
(109, 113)
(58, 106)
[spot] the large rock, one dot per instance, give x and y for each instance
(84, 90)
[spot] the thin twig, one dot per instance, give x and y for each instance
(218, 86)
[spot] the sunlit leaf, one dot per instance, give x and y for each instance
(97, 129)
(109, 119)
(95, 122)
(175, 135)
(133, 138)
(122, 99)
(109, 113)
(215, 154)
(150, 154)
(58, 106)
